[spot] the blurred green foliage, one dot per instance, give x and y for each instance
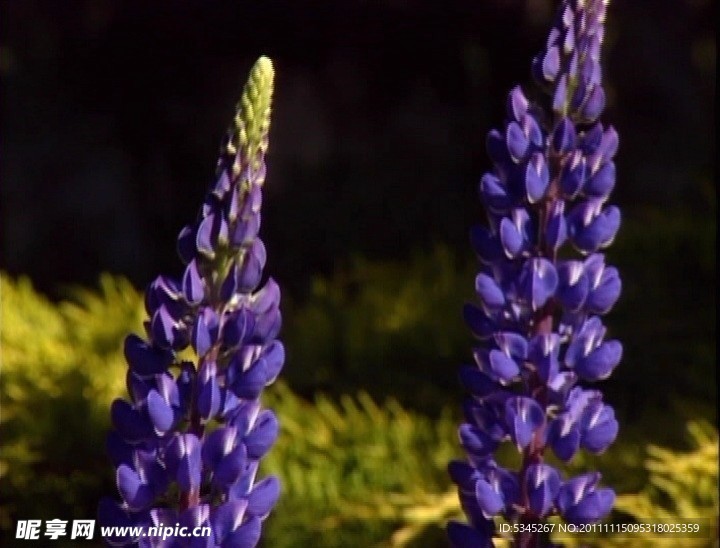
(682, 484)
(355, 473)
(369, 469)
(61, 367)
(396, 327)
(348, 466)
(393, 327)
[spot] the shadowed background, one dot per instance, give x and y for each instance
(112, 112)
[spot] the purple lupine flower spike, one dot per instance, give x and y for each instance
(541, 339)
(188, 443)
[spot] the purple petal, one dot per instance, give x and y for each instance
(476, 441)
(551, 64)
(184, 383)
(263, 497)
(605, 291)
(594, 104)
(544, 350)
(496, 148)
(573, 285)
(607, 146)
(247, 535)
(160, 412)
(514, 230)
(556, 230)
(250, 271)
(246, 230)
(512, 344)
(593, 507)
(230, 284)
(599, 428)
(464, 536)
(579, 500)
(531, 128)
(490, 501)
(516, 141)
(600, 362)
(560, 94)
(487, 416)
(573, 175)
(119, 451)
(227, 518)
(130, 423)
(574, 490)
(183, 461)
(478, 322)
(146, 360)
(539, 281)
(489, 292)
(486, 246)
(230, 467)
(267, 326)
(238, 327)
(267, 298)
(542, 483)
(494, 194)
(192, 284)
(274, 356)
(476, 382)
(222, 185)
(168, 390)
(164, 328)
(592, 139)
(195, 516)
(586, 339)
(502, 366)
(523, 417)
(250, 383)
(537, 178)
(207, 235)
(164, 291)
(241, 488)
(136, 494)
(511, 238)
(592, 229)
(209, 396)
(517, 104)
(217, 444)
(564, 437)
(259, 440)
(463, 475)
(204, 331)
(186, 244)
(244, 416)
(601, 183)
(111, 514)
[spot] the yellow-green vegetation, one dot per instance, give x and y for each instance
(356, 470)
(682, 485)
(395, 326)
(61, 367)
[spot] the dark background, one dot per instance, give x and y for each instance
(112, 113)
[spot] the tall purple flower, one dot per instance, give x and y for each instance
(188, 443)
(541, 339)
